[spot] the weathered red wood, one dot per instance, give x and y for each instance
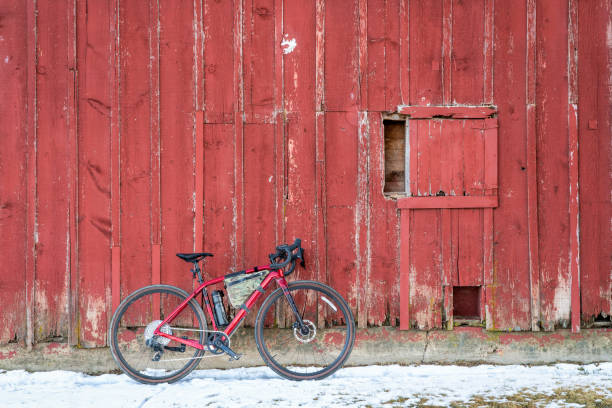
(425, 52)
(218, 197)
(553, 191)
(384, 291)
(341, 56)
(341, 178)
(456, 112)
(362, 44)
(132, 182)
(405, 260)
(177, 129)
(299, 74)
(155, 136)
(362, 221)
(115, 158)
(16, 133)
(51, 293)
(404, 45)
(259, 61)
(468, 50)
(375, 76)
(94, 232)
(219, 63)
(595, 158)
(574, 241)
(238, 106)
(259, 205)
(393, 96)
(531, 164)
(199, 182)
(447, 51)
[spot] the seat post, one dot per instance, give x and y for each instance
(197, 271)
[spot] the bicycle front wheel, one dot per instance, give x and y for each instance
(318, 348)
(154, 359)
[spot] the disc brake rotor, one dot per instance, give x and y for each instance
(309, 335)
(148, 333)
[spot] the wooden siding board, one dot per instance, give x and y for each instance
(218, 197)
(341, 185)
(51, 293)
(375, 76)
(552, 148)
(94, 231)
(383, 293)
(341, 56)
(135, 150)
(425, 50)
(177, 140)
(14, 139)
(259, 59)
(467, 56)
(595, 157)
(219, 63)
(299, 79)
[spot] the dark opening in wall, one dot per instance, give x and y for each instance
(466, 302)
(395, 156)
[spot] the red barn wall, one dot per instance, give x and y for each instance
(134, 130)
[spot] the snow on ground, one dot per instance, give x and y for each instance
(372, 386)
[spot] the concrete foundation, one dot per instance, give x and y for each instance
(380, 345)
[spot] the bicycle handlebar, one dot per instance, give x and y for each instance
(285, 252)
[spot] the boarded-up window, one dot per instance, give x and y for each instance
(395, 156)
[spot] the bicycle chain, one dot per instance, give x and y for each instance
(229, 340)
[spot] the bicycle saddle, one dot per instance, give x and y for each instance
(195, 257)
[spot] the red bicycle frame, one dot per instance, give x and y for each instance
(275, 274)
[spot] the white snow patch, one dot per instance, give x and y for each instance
(350, 387)
(288, 45)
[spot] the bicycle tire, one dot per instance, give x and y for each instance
(132, 324)
(330, 343)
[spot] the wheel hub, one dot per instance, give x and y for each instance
(151, 338)
(305, 334)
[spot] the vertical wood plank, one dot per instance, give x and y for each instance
(259, 59)
(52, 281)
(95, 63)
(393, 94)
(374, 82)
(199, 182)
(468, 53)
(341, 55)
(362, 221)
(574, 190)
(133, 225)
(595, 157)
(219, 65)
(17, 128)
(404, 27)
(341, 179)
(218, 197)
(177, 129)
(553, 186)
(531, 160)
(405, 261)
(425, 52)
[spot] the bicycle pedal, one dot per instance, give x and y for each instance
(235, 357)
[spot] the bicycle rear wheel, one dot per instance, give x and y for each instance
(315, 351)
(154, 359)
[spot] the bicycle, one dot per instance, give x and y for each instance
(304, 330)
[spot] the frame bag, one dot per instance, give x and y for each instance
(239, 287)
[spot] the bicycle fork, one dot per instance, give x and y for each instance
(299, 324)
